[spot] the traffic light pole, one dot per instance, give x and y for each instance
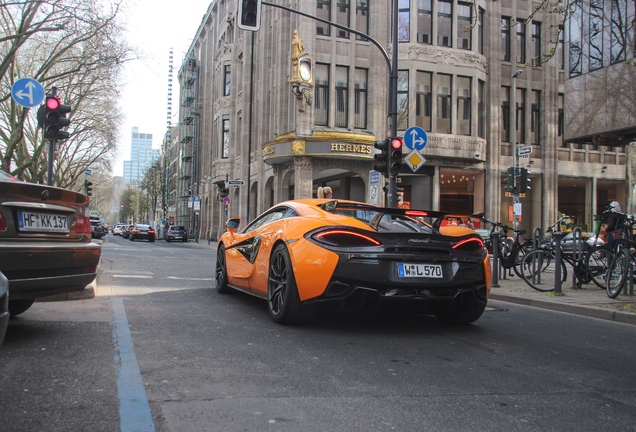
(515, 198)
(52, 144)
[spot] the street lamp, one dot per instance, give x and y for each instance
(515, 147)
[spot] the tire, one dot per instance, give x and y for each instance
(185, 240)
(538, 270)
(221, 271)
(464, 311)
(617, 274)
(282, 293)
(152, 240)
(16, 307)
(167, 240)
(596, 264)
(131, 238)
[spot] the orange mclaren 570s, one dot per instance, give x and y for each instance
(355, 257)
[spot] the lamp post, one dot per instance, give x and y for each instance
(515, 148)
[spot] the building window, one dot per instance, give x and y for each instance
(362, 18)
(423, 101)
(444, 23)
(521, 41)
(342, 17)
(520, 119)
(342, 96)
(403, 100)
(561, 120)
(535, 131)
(322, 94)
(360, 109)
(323, 10)
(463, 105)
(576, 38)
(225, 151)
(561, 52)
(424, 22)
(404, 21)
(480, 31)
(464, 26)
(619, 28)
(505, 114)
(481, 110)
(227, 79)
(505, 38)
(596, 34)
(535, 44)
(444, 101)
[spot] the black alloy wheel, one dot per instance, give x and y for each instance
(282, 293)
(221, 272)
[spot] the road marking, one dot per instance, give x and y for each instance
(134, 410)
(132, 276)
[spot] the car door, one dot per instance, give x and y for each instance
(244, 250)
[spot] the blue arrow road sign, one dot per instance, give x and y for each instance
(415, 138)
(28, 92)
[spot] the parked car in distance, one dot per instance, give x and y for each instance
(177, 232)
(4, 306)
(567, 242)
(125, 233)
(142, 232)
(97, 229)
(45, 241)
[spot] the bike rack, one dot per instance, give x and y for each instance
(557, 262)
(577, 251)
(495, 259)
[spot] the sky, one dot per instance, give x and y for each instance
(154, 26)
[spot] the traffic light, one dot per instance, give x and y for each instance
(382, 157)
(510, 180)
(52, 118)
(524, 181)
(87, 188)
(249, 15)
(395, 159)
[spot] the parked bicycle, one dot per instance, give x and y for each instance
(538, 268)
(511, 250)
(623, 257)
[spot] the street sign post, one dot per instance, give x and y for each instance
(525, 150)
(27, 92)
(88, 172)
(415, 138)
(197, 203)
(236, 183)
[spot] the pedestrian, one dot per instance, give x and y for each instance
(325, 193)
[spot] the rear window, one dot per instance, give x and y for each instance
(177, 227)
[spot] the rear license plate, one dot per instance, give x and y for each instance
(42, 222)
(420, 270)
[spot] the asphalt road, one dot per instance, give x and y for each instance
(212, 362)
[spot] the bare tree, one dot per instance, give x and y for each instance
(152, 185)
(75, 45)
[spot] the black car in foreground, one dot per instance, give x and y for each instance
(45, 241)
(142, 232)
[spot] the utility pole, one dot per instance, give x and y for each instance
(515, 148)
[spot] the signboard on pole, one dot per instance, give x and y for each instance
(236, 183)
(27, 92)
(374, 188)
(190, 202)
(197, 203)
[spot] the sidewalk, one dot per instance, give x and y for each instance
(589, 301)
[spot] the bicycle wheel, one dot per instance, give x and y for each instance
(597, 263)
(617, 273)
(523, 250)
(538, 269)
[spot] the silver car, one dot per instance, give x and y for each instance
(45, 241)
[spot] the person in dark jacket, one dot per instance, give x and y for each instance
(612, 233)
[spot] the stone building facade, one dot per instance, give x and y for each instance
(456, 66)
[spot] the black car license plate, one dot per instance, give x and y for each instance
(42, 222)
(420, 270)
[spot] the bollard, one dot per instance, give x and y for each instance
(495, 258)
(577, 251)
(557, 262)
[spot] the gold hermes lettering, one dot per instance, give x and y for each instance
(334, 147)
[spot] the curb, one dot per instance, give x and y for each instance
(589, 311)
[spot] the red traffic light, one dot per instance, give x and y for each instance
(52, 103)
(396, 143)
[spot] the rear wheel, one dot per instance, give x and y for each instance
(466, 310)
(282, 293)
(167, 239)
(538, 269)
(221, 272)
(16, 307)
(617, 274)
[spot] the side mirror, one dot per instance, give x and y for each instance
(233, 224)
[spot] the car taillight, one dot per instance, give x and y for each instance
(472, 244)
(151, 231)
(344, 238)
(3, 224)
(169, 231)
(83, 225)
(136, 231)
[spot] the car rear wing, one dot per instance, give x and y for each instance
(438, 216)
